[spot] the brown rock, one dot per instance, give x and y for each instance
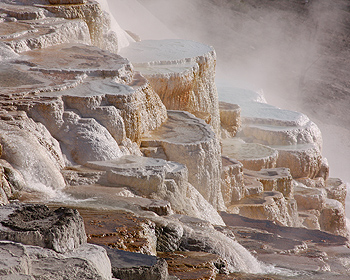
(57, 2)
(120, 230)
(193, 265)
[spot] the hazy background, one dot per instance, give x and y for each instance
(296, 51)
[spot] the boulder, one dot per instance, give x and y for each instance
(61, 230)
(169, 235)
(97, 255)
(190, 141)
(181, 72)
(336, 189)
(87, 262)
(14, 259)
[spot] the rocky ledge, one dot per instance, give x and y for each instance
(132, 134)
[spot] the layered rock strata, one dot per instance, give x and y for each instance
(230, 119)
(55, 245)
(297, 139)
(182, 73)
(61, 230)
(186, 139)
(53, 22)
(88, 106)
(31, 262)
(269, 205)
(158, 179)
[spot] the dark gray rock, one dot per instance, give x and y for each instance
(135, 266)
(169, 237)
(61, 230)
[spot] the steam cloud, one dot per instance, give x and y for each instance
(296, 51)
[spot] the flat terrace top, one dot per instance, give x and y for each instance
(237, 149)
(164, 51)
(255, 110)
(17, 79)
(131, 163)
(182, 127)
(76, 57)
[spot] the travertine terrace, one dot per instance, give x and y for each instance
(91, 119)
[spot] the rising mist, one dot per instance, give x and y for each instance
(297, 52)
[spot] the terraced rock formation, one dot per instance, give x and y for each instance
(140, 144)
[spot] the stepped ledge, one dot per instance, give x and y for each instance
(119, 161)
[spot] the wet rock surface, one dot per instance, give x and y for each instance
(87, 105)
(132, 266)
(194, 265)
(302, 234)
(120, 230)
(307, 254)
(190, 141)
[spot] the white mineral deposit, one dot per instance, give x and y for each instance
(174, 139)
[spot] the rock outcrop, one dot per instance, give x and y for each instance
(31, 262)
(55, 247)
(159, 179)
(182, 73)
(61, 230)
(141, 145)
(188, 140)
